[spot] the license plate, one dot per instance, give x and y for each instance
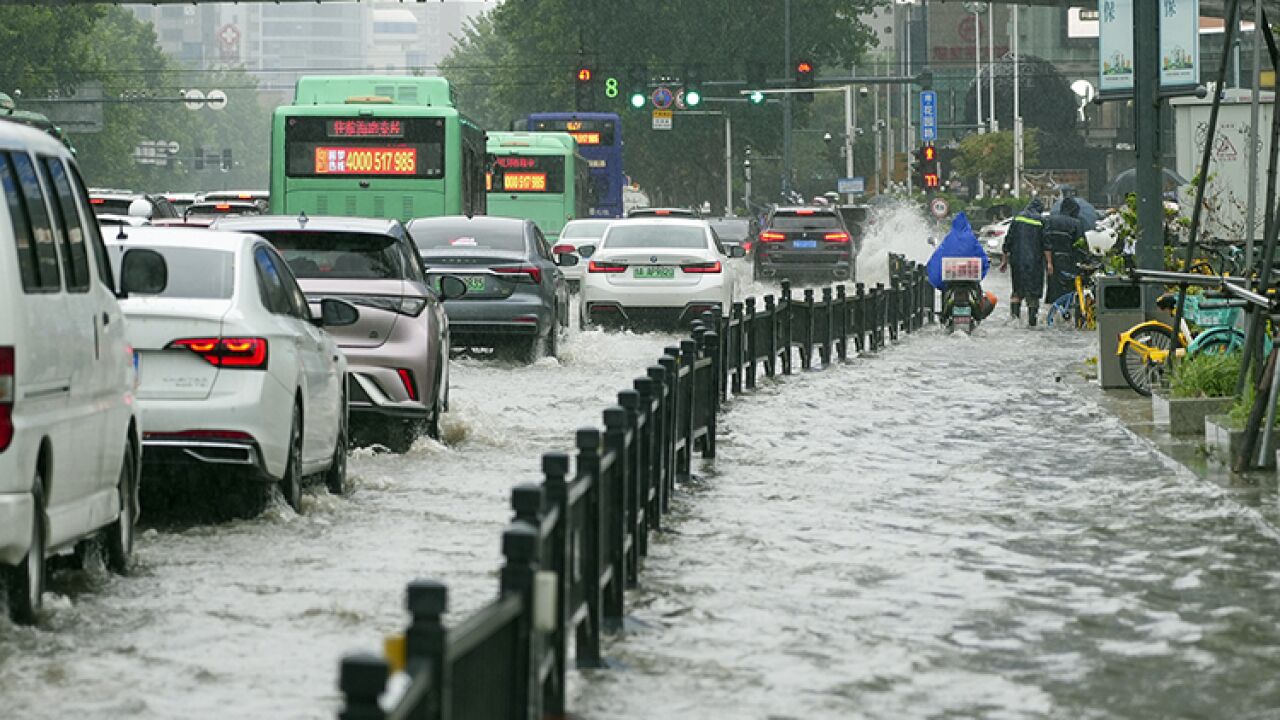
(962, 311)
(804, 244)
(662, 273)
(475, 283)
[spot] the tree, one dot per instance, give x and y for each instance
(990, 156)
(520, 59)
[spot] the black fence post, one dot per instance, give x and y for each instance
(362, 679)
(712, 409)
(771, 346)
(735, 342)
(829, 326)
(520, 547)
(676, 414)
(629, 401)
(842, 337)
(882, 314)
(650, 455)
(615, 444)
(750, 335)
(555, 470)
(895, 302)
(787, 310)
(662, 375)
(425, 642)
(860, 317)
(689, 359)
(806, 347)
(587, 646)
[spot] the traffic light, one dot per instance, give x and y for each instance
(928, 168)
(637, 87)
(584, 81)
(804, 79)
(756, 97)
(692, 87)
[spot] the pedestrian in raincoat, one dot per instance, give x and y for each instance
(960, 242)
(1025, 252)
(1062, 233)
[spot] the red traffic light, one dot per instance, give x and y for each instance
(930, 153)
(804, 67)
(585, 74)
(931, 180)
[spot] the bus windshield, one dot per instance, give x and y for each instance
(364, 147)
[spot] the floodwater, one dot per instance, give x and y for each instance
(951, 529)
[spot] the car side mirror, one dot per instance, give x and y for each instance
(566, 260)
(452, 288)
(336, 313)
(737, 251)
(144, 272)
(586, 251)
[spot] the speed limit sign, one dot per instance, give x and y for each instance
(939, 207)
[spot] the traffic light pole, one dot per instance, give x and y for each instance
(786, 101)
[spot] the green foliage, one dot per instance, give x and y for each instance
(1205, 375)
(520, 58)
(43, 51)
(1238, 415)
(990, 155)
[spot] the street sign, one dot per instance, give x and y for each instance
(928, 115)
(217, 99)
(195, 99)
(77, 112)
(939, 207)
(851, 186)
(663, 98)
(662, 119)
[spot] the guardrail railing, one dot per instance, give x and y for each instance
(577, 539)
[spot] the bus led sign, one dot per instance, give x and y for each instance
(586, 138)
(365, 128)
(524, 182)
(365, 161)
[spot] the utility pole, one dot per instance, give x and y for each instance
(786, 100)
(728, 165)
(1251, 211)
(1146, 132)
(849, 115)
(991, 65)
(1017, 109)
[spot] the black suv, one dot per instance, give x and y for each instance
(805, 242)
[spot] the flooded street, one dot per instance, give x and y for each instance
(950, 529)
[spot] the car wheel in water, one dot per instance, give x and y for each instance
(120, 534)
(335, 478)
(437, 405)
(528, 350)
(553, 340)
(291, 483)
(398, 435)
(26, 581)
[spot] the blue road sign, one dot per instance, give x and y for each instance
(928, 115)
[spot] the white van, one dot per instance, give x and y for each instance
(69, 435)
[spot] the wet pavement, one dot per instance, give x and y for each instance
(956, 528)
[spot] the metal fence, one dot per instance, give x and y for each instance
(577, 539)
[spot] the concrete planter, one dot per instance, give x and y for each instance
(1223, 441)
(1185, 416)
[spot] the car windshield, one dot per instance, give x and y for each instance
(732, 229)
(816, 221)
(467, 236)
(580, 229)
(194, 273)
(339, 255)
(621, 237)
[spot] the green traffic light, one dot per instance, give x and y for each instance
(638, 100)
(692, 98)
(756, 97)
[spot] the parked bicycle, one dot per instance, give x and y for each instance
(1209, 325)
(1077, 309)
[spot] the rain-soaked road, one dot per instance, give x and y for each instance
(950, 531)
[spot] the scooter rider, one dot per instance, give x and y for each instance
(961, 242)
(1025, 250)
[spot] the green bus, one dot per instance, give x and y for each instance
(541, 177)
(376, 146)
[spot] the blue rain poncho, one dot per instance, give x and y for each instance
(959, 243)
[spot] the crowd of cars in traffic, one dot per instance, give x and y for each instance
(146, 335)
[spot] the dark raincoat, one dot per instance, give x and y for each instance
(1024, 246)
(960, 243)
(1061, 231)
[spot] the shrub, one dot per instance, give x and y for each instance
(1205, 375)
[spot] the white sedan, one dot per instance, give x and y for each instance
(659, 270)
(233, 370)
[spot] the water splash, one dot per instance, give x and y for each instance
(901, 228)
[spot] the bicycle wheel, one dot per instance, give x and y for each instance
(1142, 362)
(1061, 313)
(1219, 342)
(1089, 317)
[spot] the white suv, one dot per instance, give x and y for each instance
(69, 439)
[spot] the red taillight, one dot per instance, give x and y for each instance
(534, 274)
(235, 435)
(410, 387)
(661, 212)
(604, 267)
(804, 212)
(97, 201)
(222, 206)
(770, 236)
(563, 250)
(747, 246)
(836, 237)
(242, 353)
(7, 390)
(702, 268)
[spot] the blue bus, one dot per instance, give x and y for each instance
(599, 137)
